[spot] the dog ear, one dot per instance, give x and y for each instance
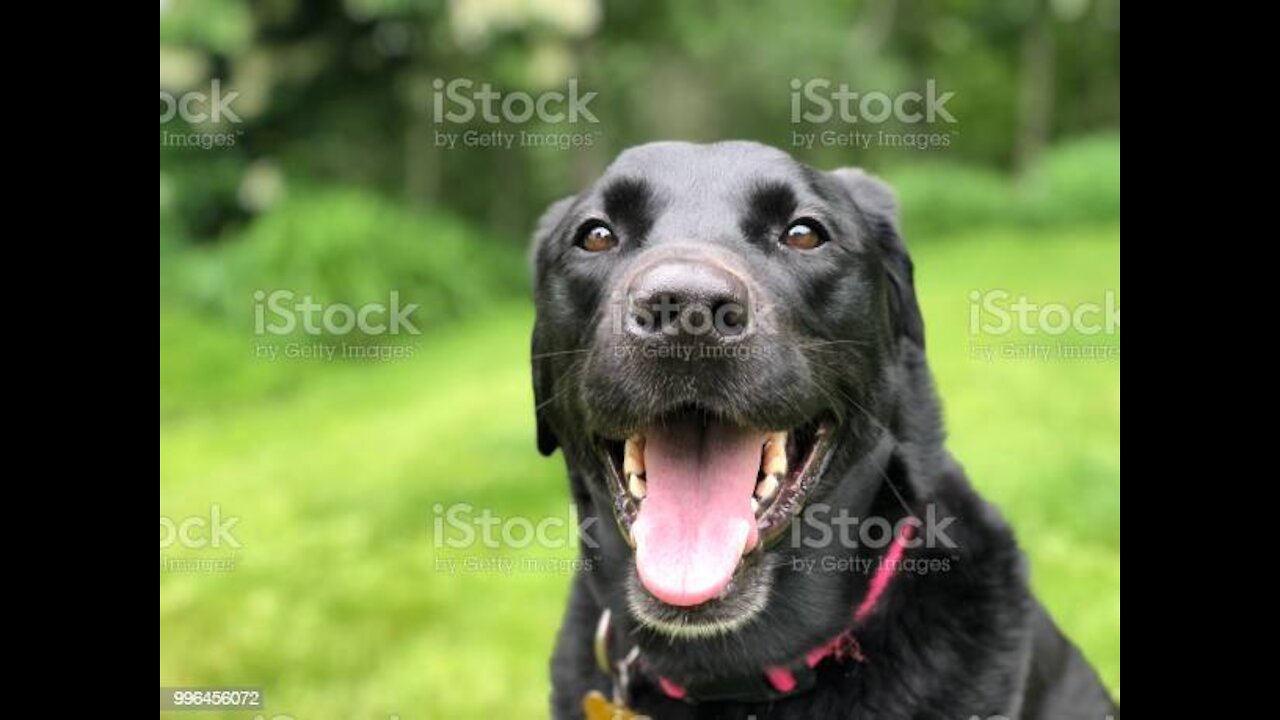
(543, 378)
(878, 207)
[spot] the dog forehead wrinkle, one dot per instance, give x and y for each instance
(767, 205)
(680, 166)
(821, 185)
(696, 228)
(629, 201)
(772, 198)
(666, 155)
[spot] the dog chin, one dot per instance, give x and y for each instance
(744, 599)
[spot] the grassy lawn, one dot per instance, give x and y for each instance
(337, 603)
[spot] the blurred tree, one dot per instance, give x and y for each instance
(342, 91)
(1035, 89)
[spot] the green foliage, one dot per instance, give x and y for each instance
(351, 247)
(216, 25)
(206, 364)
(343, 90)
(1078, 183)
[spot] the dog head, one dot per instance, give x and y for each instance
(723, 337)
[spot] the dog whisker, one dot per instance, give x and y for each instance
(558, 353)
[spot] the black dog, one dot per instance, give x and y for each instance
(729, 352)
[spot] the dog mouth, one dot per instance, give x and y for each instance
(695, 496)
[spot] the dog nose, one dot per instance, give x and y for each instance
(688, 299)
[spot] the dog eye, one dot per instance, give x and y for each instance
(596, 237)
(803, 235)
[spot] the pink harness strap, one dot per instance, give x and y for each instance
(673, 691)
(844, 645)
(888, 568)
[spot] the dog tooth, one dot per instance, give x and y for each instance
(775, 454)
(755, 505)
(766, 488)
(633, 456)
(636, 486)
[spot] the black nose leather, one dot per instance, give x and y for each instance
(690, 300)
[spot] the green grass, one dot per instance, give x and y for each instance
(336, 606)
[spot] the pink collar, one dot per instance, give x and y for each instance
(841, 647)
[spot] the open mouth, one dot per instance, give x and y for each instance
(695, 495)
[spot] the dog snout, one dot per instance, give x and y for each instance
(690, 300)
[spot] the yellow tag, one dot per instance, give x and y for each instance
(596, 707)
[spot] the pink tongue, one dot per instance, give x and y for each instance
(696, 520)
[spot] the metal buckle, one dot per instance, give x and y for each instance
(621, 672)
